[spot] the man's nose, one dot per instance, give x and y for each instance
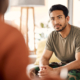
(56, 21)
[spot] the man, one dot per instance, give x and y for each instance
(13, 50)
(65, 43)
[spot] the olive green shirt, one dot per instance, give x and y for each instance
(64, 48)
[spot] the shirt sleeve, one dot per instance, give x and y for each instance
(77, 43)
(49, 45)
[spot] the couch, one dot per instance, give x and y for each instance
(40, 49)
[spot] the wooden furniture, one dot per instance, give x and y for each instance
(27, 4)
(27, 9)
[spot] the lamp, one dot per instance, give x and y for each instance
(27, 4)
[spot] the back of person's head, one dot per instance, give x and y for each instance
(3, 6)
(59, 7)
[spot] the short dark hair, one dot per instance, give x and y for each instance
(3, 6)
(59, 7)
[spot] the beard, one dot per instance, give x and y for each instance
(62, 27)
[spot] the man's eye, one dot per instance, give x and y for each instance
(52, 18)
(59, 17)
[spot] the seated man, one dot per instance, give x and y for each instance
(65, 43)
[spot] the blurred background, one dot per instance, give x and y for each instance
(33, 19)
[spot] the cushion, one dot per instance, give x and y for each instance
(40, 49)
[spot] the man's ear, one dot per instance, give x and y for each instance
(67, 18)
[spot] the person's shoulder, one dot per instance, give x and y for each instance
(10, 37)
(75, 29)
(9, 30)
(75, 32)
(10, 34)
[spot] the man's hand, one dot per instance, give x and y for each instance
(47, 72)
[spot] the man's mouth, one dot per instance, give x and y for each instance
(57, 26)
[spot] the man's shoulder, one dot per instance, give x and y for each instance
(75, 29)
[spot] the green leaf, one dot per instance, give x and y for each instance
(42, 25)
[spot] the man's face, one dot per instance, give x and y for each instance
(58, 20)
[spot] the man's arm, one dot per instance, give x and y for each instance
(56, 71)
(76, 63)
(45, 57)
(72, 65)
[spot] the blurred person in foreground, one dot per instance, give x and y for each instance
(13, 50)
(65, 43)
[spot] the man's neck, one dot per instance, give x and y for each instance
(66, 31)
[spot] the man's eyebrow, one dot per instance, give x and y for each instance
(59, 15)
(51, 17)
